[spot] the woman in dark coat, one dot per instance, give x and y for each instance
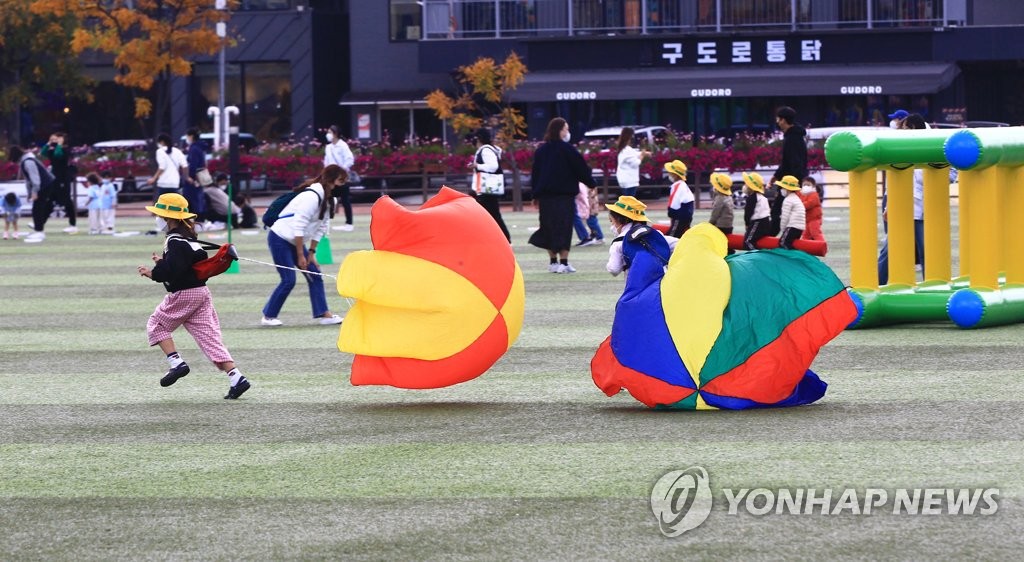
(558, 169)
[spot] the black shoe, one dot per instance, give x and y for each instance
(174, 374)
(584, 242)
(238, 389)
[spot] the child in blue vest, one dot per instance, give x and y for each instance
(629, 220)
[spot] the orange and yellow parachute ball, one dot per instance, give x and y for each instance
(439, 299)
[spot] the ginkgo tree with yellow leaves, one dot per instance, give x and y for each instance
(483, 97)
(35, 57)
(151, 41)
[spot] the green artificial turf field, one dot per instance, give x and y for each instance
(529, 461)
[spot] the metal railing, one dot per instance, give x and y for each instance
(467, 19)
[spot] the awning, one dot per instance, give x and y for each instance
(386, 99)
(806, 80)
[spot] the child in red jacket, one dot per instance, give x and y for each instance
(812, 203)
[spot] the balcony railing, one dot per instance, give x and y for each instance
(466, 19)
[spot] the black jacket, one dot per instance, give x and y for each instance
(558, 169)
(175, 270)
(794, 154)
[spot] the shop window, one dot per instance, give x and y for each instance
(260, 90)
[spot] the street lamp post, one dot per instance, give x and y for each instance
(220, 132)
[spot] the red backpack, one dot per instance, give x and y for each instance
(217, 263)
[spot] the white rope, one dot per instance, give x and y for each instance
(303, 271)
(350, 301)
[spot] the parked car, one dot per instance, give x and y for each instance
(644, 134)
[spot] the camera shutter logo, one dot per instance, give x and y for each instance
(681, 500)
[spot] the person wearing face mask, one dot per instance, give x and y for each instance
(306, 217)
(812, 207)
(171, 166)
(558, 169)
(188, 301)
(628, 218)
(337, 152)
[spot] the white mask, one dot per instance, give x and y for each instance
(807, 189)
(894, 124)
(161, 224)
(330, 137)
(567, 136)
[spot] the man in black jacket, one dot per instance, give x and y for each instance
(794, 158)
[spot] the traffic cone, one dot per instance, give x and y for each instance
(323, 252)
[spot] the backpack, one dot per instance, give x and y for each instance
(217, 263)
(277, 205)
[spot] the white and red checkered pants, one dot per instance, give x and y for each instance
(192, 308)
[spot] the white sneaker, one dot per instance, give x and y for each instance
(346, 228)
(332, 319)
(71, 230)
(553, 268)
(598, 241)
(35, 237)
(566, 268)
(270, 321)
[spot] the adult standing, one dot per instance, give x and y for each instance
(338, 153)
(794, 159)
(558, 169)
(487, 163)
(627, 172)
(195, 158)
(912, 121)
(56, 151)
(171, 164)
(306, 217)
(38, 187)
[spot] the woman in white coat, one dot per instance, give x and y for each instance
(627, 173)
(305, 218)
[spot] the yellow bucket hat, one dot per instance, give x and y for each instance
(754, 181)
(789, 182)
(676, 167)
(171, 206)
(629, 207)
(722, 183)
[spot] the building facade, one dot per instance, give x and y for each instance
(702, 66)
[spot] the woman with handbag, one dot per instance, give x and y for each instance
(488, 179)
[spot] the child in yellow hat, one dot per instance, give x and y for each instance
(188, 301)
(680, 199)
(793, 218)
(721, 208)
(628, 218)
(756, 213)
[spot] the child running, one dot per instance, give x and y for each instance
(756, 213)
(188, 302)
